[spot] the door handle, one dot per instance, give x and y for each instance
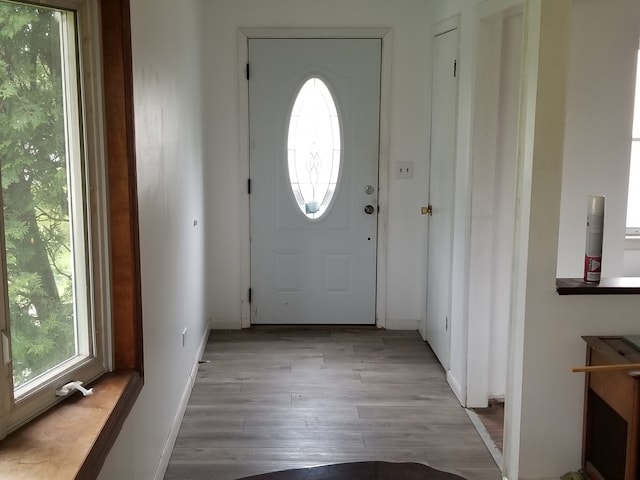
(426, 210)
(369, 209)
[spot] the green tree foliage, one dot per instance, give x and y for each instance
(33, 162)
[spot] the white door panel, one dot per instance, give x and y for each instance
(313, 271)
(441, 185)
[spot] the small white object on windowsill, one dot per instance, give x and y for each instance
(71, 387)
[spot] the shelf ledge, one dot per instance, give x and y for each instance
(607, 286)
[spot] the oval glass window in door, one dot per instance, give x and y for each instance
(313, 148)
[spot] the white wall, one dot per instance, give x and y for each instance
(225, 182)
(168, 97)
(598, 135)
(544, 400)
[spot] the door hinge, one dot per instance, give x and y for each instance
(249, 186)
(455, 68)
(247, 71)
(249, 295)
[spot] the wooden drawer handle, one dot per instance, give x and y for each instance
(607, 368)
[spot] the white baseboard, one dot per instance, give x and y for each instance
(456, 388)
(401, 324)
(182, 407)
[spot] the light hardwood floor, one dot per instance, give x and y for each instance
(279, 398)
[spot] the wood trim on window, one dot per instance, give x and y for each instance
(123, 203)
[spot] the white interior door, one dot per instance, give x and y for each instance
(314, 138)
(441, 185)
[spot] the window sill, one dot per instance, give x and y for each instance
(607, 286)
(72, 440)
(632, 242)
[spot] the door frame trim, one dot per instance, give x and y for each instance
(385, 35)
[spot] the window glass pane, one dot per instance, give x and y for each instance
(314, 148)
(39, 160)
(633, 205)
(636, 114)
(633, 200)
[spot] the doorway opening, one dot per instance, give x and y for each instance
(493, 215)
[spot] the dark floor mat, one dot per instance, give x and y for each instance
(360, 471)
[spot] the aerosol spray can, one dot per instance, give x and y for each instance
(595, 230)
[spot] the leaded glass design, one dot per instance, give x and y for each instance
(313, 148)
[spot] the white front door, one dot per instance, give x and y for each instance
(441, 175)
(314, 107)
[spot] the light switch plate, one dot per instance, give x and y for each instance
(404, 170)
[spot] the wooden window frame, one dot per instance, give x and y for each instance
(92, 424)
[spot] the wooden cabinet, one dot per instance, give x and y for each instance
(612, 411)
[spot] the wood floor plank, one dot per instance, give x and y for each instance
(451, 411)
(381, 356)
(278, 398)
(373, 426)
(205, 397)
(429, 377)
(223, 423)
(359, 365)
(281, 439)
(363, 399)
(464, 439)
(271, 411)
(301, 385)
